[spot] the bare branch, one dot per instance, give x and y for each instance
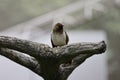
(78, 54)
(50, 63)
(66, 69)
(68, 52)
(28, 47)
(20, 58)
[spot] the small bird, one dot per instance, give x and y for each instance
(59, 37)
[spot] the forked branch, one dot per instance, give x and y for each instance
(50, 63)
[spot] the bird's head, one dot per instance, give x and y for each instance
(58, 27)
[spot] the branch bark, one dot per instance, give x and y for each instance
(27, 47)
(20, 58)
(50, 63)
(73, 50)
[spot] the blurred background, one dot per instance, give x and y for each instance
(84, 20)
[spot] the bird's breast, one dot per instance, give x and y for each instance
(59, 39)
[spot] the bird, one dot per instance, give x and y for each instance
(59, 36)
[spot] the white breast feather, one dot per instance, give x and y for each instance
(59, 39)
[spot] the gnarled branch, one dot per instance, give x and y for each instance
(73, 50)
(27, 47)
(50, 63)
(20, 58)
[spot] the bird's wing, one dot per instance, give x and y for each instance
(52, 42)
(67, 38)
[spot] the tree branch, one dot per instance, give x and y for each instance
(28, 47)
(77, 53)
(50, 63)
(68, 52)
(20, 58)
(66, 69)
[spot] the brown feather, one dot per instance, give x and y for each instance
(67, 38)
(59, 37)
